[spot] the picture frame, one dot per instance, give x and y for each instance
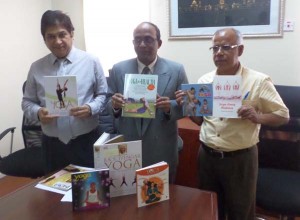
(193, 19)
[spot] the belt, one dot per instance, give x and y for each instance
(224, 154)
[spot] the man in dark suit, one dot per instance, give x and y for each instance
(159, 135)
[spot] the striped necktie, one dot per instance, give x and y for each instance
(63, 122)
(146, 70)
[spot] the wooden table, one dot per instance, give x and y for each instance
(9, 184)
(30, 203)
(187, 171)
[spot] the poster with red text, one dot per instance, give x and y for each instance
(227, 96)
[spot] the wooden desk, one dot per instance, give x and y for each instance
(9, 184)
(187, 171)
(30, 203)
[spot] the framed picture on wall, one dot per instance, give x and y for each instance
(201, 18)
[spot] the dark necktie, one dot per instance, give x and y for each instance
(63, 122)
(146, 70)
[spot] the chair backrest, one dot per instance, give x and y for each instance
(31, 130)
(279, 147)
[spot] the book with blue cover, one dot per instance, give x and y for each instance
(90, 190)
(198, 100)
(221, 98)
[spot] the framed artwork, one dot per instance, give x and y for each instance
(201, 18)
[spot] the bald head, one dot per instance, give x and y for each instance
(227, 47)
(231, 33)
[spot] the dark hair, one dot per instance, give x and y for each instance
(51, 18)
(156, 28)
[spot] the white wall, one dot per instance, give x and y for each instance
(274, 56)
(74, 9)
(21, 44)
(277, 57)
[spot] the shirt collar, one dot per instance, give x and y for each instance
(141, 65)
(237, 73)
(70, 57)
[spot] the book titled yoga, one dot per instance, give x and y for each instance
(122, 158)
(140, 92)
(90, 190)
(60, 94)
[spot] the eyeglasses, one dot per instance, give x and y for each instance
(226, 47)
(147, 40)
(60, 35)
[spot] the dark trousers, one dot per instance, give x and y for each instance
(78, 151)
(234, 180)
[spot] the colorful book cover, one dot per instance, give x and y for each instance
(60, 94)
(90, 190)
(122, 159)
(140, 92)
(152, 184)
(60, 182)
(198, 100)
(227, 96)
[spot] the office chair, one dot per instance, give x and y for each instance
(278, 186)
(5, 132)
(26, 162)
(31, 130)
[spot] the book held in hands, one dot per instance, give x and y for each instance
(60, 94)
(198, 100)
(140, 92)
(221, 98)
(152, 184)
(122, 158)
(227, 96)
(90, 190)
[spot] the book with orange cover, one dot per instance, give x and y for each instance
(152, 184)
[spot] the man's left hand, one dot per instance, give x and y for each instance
(81, 111)
(249, 112)
(164, 103)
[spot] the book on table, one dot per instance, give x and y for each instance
(140, 92)
(60, 182)
(122, 158)
(90, 190)
(60, 94)
(152, 184)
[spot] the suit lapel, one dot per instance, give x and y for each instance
(163, 80)
(163, 76)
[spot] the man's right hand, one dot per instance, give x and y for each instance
(44, 116)
(117, 101)
(180, 94)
